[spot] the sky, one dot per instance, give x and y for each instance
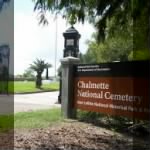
(32, 40)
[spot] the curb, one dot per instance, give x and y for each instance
(36, 92)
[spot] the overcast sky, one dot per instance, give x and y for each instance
(32, 40)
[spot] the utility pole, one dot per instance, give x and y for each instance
(56, 47)
(56, 40)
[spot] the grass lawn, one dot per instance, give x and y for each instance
(29, 86)
(30, 120)
(37, 119)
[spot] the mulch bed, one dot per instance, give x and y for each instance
(74, 136)
(7, 140)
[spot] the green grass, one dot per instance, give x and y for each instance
(37, 119)
(30, 86)
(24, 87)
(6, 122)
(31, 120)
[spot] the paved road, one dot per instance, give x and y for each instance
(29, 102)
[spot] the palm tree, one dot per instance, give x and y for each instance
(38, 66)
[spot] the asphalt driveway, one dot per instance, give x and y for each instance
(29, 102)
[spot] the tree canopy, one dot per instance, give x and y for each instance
(116, 48)
(95, 11)
(28, 73)
(123, 26)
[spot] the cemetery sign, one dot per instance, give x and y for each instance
(120, 88)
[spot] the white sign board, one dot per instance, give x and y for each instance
(70, 42)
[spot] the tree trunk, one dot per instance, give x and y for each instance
(149, 27)
(46, 73)
(38, 81)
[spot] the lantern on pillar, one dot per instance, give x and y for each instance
(71, 43)
(71, 48)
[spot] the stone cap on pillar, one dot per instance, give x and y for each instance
(70, 60)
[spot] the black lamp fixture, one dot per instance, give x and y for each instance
(71, 43)
(71, 48)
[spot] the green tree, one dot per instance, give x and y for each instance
(95, 11)
(109, 17)
(115, 48)
(38, 66)
(28, 73)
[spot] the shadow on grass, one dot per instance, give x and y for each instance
(6, 123)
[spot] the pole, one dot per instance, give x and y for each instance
(56, 41)
(56, 46)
